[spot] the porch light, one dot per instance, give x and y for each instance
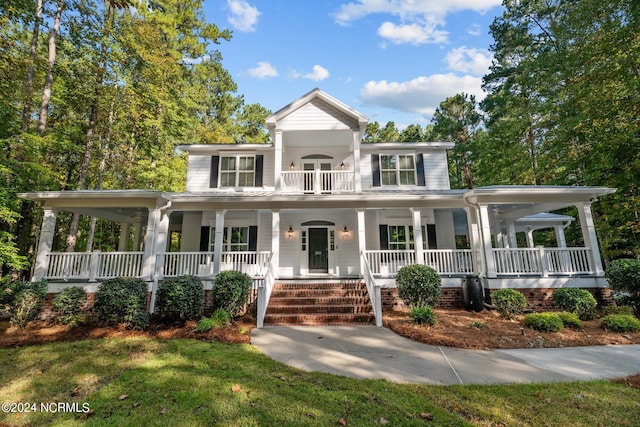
(292, 166)
(345, 230)
(342, 167)
(290, 232)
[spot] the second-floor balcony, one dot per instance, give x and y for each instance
(318, 181)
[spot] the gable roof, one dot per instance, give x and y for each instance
(340, 109)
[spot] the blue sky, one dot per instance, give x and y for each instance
(389, 59)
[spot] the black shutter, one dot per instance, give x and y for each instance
(253, 238)
(213, 178)
(204, 238)
(384, 237)
(259, 168)
(420, 169)
(375, 169)
(432, 241)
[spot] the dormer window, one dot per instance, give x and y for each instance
(397, 169)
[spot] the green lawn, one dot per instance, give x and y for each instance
(144, 381)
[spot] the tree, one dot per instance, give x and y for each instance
(456, 120)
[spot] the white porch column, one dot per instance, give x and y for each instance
(362, 239)
(275, 241)
(218, 240)
(530, 243)
(137, 237)
(161, 241)
(277, 146)
(356, 161)
(589, 236)
(512, 240)
(123, 243)
(562, 241)
(475, 240)
(150, 237)
(485, 234)
(45, 243)
(418, 239)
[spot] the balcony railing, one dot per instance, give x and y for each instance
(318, 182)
(201, 263)
(449, 261)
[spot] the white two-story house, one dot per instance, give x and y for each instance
(316, 203)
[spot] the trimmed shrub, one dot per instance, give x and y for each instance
(545, 322)
(123, 301)
(180, 298)
(418, 285)
(508, 302)
(231, 291)
(623, 309)
(623, 276)
(621, 323)
(575, 300)
(23, 300)
(68, 303)
(570, 320)
(421, 314)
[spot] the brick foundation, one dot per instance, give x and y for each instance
(538, 299)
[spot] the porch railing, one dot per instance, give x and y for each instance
(388, 262)
(93, 265)
(201, 263)
(373, 289)
(318, 181)
(449, 261)
(542, 261)
(264, 290)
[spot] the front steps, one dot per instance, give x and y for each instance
(319, 303)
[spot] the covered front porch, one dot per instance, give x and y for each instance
(456, 232)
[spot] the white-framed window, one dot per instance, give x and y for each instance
(397, 169)
(234, 239)
(237, 171)
(401, 237)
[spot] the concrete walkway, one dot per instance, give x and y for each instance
(370, 352)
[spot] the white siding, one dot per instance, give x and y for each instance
(435, 169)
(316, 115)
(445, 233)
(198, 173)
(190, 240)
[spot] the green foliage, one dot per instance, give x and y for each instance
(123, 301)
(621, 323)
(578, 301)
(545, 322)
(478, 324)
(622, 309)
(218, 319)
(22, 300)
(623, 276)
(231, 291)
(423, 314)
(508, 302)
(570, 320)
(418, 285)
(69, 303)
(180, 298)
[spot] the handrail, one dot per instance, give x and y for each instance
(264, 291)
(373, 289)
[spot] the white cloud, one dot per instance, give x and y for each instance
(418, 20)
(469, 60)
(413, 33)
(263, 70)
(421, 95)
(243, 17)
(318, 74)
(474, 30)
